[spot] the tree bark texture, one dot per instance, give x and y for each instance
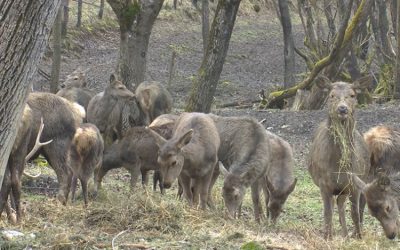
(24, 29)
(101, 9)
(136, 19)
(65, 18)
(55, 66)
(288, 50)
(79, 18)
(205, 84)
(205, 21)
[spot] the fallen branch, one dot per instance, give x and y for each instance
(237, 103)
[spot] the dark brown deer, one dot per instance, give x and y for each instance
(114, 111)
(191, 155)
(85, 157)
(136, 152)
(61, 118)
(383, 194)
(338, 149)
(154, 99)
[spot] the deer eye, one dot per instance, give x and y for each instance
(173, 163)
(121, 87)
(388, 209)
(352, 95)
(76, 78)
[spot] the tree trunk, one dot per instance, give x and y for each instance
(55, 66)
(205, 84)
(175, 4)
(23, 36)
(79, 21)
(65, 18)
(397, 78)
(101, 9)
(383, 23)
(288, 43)
(136, 19)
(205, 21)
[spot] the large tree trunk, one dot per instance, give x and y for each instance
(55, 66)
(24, 31)
(136, 19)
(65, 18)
(79, 18)
(205, 84)
(205, 22)
(397, 77)
(288, 51)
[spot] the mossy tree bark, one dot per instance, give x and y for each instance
(205, 23)
(136, 19)
(65, 18)
(397, 77)
(24, 31)
(205, 83)
(101, 10)
(340, 49)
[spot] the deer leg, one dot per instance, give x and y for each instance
(16, 187)
(362, 207)
(145, 177)
(328, 210)
(255, 196)
(204, 186)
(214, 178)
(186, 187)
(355, 212)
(84, 191)
(74, 183)
(5, 191)
(341, 199)
(135, 172)
(57, 155)
(266, 197)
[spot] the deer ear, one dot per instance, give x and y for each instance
(113, 78)
(324, 83)
(222, 169)
(185, 139)
(358, 182)
(362, 83)
(160, 141)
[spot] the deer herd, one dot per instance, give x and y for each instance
(83, 136)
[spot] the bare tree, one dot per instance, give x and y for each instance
(55, 66)
(65, 18)
(136, 19)
(101, 9)
(79, 18)
(205, 22)
(205, 84)
(25, 27)
(288, 52)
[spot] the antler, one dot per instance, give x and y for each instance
(38, 144)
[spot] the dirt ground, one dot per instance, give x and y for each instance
(254, 62)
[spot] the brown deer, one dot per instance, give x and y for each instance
(191, 155)
(85, 157)
(336, 150)
(383, 193)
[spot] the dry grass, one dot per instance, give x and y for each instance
(147, 219)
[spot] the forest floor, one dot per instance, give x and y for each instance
(143, 219)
